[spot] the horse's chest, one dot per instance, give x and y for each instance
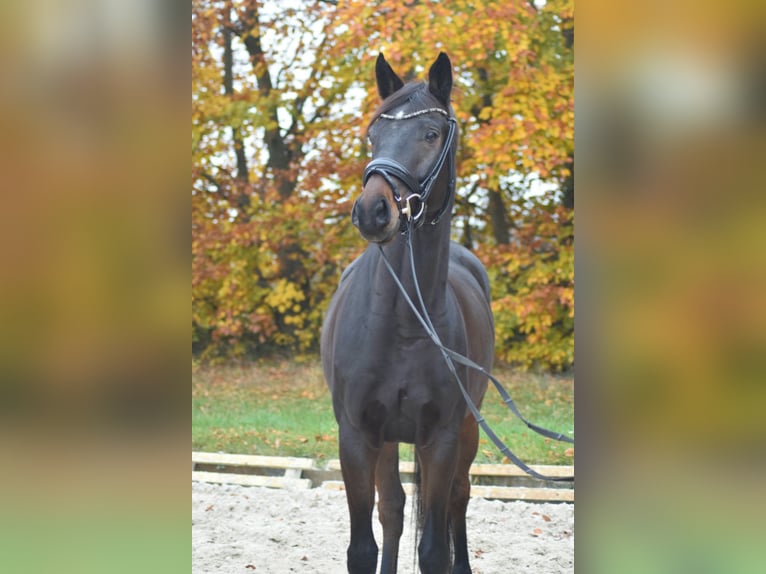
(397, 371)
(382, 356)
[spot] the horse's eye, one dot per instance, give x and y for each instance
(431, 136)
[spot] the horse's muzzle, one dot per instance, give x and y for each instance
(374, 213)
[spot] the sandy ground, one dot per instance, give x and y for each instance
(237, 529)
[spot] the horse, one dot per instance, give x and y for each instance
(389, 382)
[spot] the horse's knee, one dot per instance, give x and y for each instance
(362, 557)
(391, 510)
(460, 495)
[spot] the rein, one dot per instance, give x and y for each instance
(419, 190)
(450, 356)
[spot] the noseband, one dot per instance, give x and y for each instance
(419, 190)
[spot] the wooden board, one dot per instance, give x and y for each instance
(486, 469)
(294, 467)
(521, 493)
(481, 469)
(252, 460)
(252, 480)
(495, 492)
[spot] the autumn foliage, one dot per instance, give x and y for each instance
(280, 100)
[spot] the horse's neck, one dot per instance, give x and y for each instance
(431, 253)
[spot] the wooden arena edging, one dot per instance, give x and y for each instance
(496, 481)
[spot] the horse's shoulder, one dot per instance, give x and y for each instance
(348, 270)
(353, 266)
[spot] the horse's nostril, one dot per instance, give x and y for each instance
(382, 212)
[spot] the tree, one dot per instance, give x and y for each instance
(264, 256)
(280, 100)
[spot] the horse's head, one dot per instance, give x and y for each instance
(413, 137)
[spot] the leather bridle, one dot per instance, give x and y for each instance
(419, 191)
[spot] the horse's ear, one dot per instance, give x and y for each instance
(388, 81)
(440, 79)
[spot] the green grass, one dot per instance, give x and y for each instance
(284, 409)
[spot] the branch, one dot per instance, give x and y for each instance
(211, 179)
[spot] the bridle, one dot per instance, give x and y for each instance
(388, 168)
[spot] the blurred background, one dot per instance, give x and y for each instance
(671, 267)
(671, 316)
(94, 289)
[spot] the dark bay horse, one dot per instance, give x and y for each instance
(389, 381)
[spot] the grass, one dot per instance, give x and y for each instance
(283, 408)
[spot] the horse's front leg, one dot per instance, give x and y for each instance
(438, 461)
(461, 493)
(390, 505)
(358, 461)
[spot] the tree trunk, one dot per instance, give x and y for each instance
(568, 185)
(242, 178)
(280, 153)
(501, 228)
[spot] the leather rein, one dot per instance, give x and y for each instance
(451, 357)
